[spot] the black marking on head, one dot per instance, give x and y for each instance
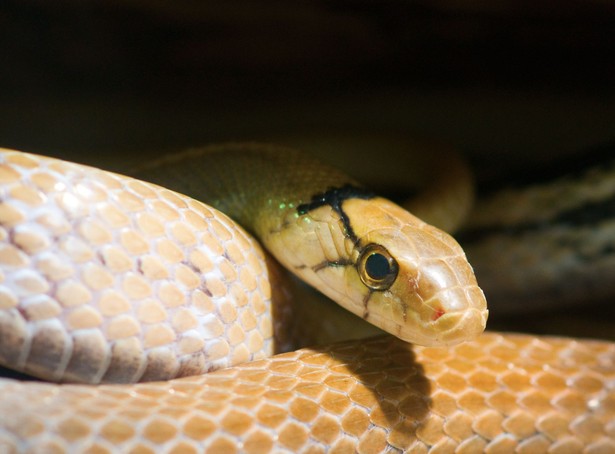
(328, 263)
(335, 197)
(368, 295)
(377, 270)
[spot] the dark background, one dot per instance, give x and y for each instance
(513, 84)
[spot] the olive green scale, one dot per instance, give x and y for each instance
(258, 186)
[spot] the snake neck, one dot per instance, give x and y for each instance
(261, 187)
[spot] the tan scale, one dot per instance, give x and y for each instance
(119, 273)
(492, 393)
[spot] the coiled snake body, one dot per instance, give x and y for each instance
(109, 279)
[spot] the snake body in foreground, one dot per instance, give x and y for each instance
(109, 279)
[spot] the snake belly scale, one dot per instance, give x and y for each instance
(107, 278)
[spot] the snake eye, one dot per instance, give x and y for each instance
(377, 268)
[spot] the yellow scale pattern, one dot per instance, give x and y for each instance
(498, 394)
(106, 278)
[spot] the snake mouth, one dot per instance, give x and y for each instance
(449, 329)
(463, 327)
(436, 327)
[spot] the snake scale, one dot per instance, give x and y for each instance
(107, 279)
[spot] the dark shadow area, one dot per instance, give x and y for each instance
(9, 373)
(591, 321)
(243, 51)
(107, 82)
(387, 368)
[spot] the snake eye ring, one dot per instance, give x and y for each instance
(377, 268)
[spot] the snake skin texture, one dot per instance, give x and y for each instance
(75, 305)
(111, 279)
(498, 394)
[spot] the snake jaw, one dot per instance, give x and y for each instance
(428, 323)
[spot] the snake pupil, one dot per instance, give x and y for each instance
(377, 268)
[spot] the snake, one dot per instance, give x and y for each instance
(159, 321)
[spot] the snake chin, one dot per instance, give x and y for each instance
(449, 329)
(456, 328)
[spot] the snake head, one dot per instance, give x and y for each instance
(411, 279)
(387, 266)
(415, 280)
